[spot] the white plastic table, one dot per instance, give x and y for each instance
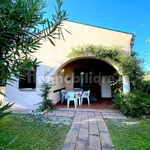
(77, 93)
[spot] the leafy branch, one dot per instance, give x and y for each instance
(20, 35)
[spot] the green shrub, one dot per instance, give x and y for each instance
(134, 104)
(46, 104)
(146, 87)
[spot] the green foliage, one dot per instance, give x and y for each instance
(146, 87)
(98, 51)
(116, 84)
(4, 110)
(133, 66)
(134, 104)
(46, 104)
(20, 36)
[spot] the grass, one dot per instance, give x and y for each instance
(32, 133)
(133, 134)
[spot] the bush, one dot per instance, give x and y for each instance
(146, 87)
(134, 104)
(46, 104)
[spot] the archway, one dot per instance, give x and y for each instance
(88, 73)
(67, 71)
(67, 61)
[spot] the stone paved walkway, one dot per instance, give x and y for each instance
(89, 131)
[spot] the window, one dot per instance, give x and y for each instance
(28, 81)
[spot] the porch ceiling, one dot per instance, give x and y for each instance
(91, 65)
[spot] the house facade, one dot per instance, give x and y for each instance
(56, 66)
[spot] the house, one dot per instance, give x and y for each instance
(54, 61)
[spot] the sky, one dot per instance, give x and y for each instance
(125, 15)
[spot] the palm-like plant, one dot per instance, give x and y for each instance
(4, 110)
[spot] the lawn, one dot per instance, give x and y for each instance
(133, 134)
(32, 133)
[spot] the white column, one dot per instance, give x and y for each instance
(126, 84)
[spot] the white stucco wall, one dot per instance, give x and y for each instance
(52, 57)
(27, 98)
(80, 35)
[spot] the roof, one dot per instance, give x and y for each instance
(100, 27)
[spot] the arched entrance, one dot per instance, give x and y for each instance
(88, 73)
(67, 61)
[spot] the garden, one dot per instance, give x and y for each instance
(20, 38)
(23, 132)
(131, 134)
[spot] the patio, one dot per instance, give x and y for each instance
(104, 103)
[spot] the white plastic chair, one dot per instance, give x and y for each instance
(71, 96)
(86, 94)
(63, 93)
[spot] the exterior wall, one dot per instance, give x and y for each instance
(58, 85)
(80, 35)
(52, 57)
(27, 98)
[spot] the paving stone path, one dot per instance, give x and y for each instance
(89, 131)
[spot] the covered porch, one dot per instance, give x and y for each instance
(86, 73)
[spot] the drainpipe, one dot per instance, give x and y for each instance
(126, 84)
